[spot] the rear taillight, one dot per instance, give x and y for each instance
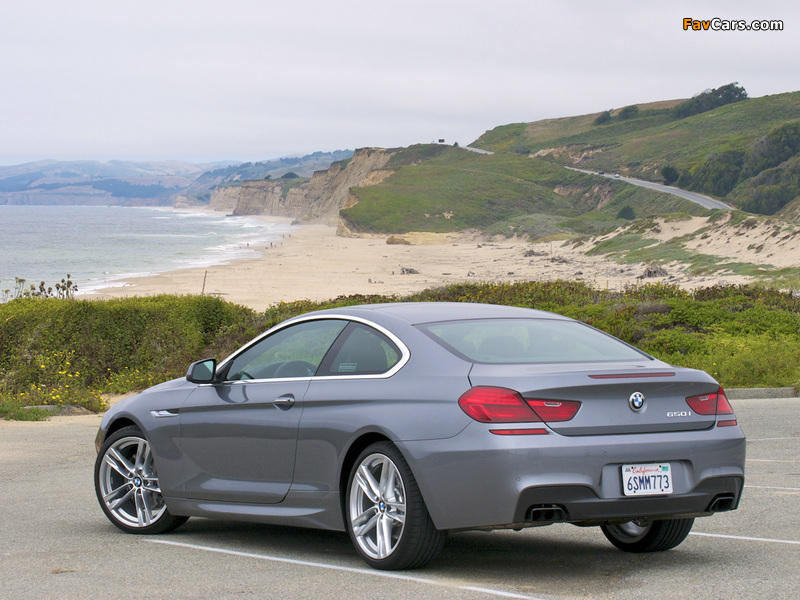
(713, 404)
(552, 411)
(501, 405)
(723, 405)
(496, 405)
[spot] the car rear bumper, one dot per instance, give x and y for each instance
(582, 506)
(478, 480)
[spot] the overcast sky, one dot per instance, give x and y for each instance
(205, 80)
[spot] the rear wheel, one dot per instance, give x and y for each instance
(126, 483)
(386, 516)
(644, 535)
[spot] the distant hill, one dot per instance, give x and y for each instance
(501, 193)
(303, 166)
(90, 169)
(93, 182)
(156, 183)
(746, 152)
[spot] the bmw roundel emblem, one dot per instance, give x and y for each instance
(636, 401)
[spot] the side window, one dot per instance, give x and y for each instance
(295, 351)
(361, 351)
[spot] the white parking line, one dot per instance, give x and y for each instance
(373, 572)
(772, 487)
(771, 460)
(771, 439)
(741, 537)
(492, 592)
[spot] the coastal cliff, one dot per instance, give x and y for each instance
(317, 200)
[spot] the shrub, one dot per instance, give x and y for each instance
(603, 117)
(670, 174)
(67, 351)
(709, 100)
(627, 213)
(64, 351)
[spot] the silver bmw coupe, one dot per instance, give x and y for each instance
(400, 422)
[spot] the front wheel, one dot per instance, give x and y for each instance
(644, 535)
(126, 483)
(386, 516)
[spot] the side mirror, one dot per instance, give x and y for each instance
(202, 371)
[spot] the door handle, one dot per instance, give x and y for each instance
(284, 402)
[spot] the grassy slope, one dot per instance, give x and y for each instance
(511, 192)
(458, 189)
(652, 139)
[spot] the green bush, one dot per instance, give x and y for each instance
(603, 117)
(670, 174)
(710, 99)
(67, 351)
(627, 213)
(55, 352)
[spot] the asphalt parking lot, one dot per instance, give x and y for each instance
(56, 543)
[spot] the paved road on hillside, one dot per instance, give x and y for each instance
(704, 201)
(478, 150)
(56, 543)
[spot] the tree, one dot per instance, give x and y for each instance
(710, 99)
(779, 145)
(603, 117)
(670, 174)
(629, 112)
(719, 173)
(627, 213)
(290, 175)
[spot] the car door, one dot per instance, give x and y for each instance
(239, 437)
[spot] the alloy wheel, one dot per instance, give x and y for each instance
(377, 506)
(128, 483)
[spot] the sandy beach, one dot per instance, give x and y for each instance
(313, 263)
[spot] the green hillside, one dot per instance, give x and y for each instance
(724, 152)
(501, 193)
(745, 151)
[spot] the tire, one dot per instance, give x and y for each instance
(643, 535)
(385, 514)
(126, 483)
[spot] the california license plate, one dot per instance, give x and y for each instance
(646, 480)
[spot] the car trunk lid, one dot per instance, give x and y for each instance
(615, 399)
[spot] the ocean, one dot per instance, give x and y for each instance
(102, 246)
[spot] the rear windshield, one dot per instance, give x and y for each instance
(504, 341)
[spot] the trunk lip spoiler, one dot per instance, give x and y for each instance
(631, 375)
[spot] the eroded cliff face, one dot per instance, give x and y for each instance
(317, 200)
(225, 198)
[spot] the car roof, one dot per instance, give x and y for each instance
(429, 312)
